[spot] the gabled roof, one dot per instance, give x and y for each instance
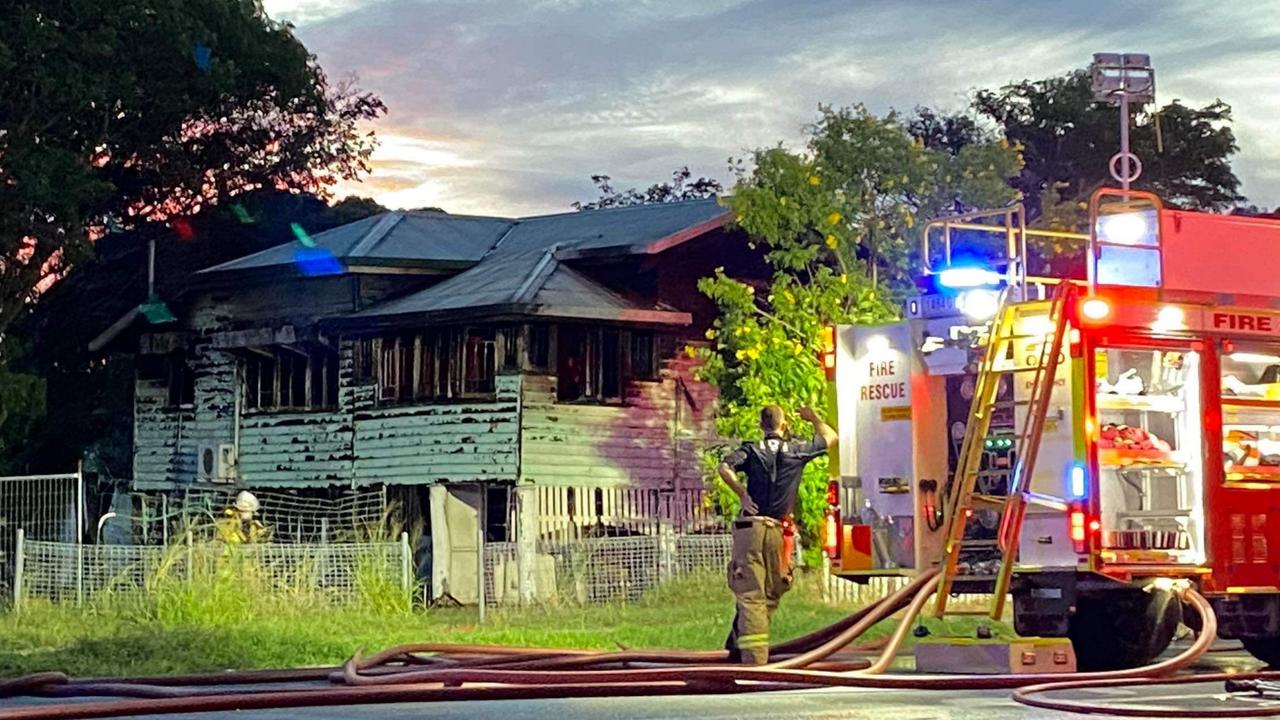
(396, 238)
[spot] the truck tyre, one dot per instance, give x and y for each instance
(1123, 629)
(1266, 649)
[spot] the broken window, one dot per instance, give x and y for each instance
(644, 357)
(479, 354)
(439, 364)
(174, 372)
(589, 364)
(538, 347)
(290, 378)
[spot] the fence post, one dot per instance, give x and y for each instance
(405, 560)
(481, 515)
(19, 564)
(666, 551)
(190, 556)
(80, 518)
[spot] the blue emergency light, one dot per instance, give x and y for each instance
(968, 277)
(1077, 481)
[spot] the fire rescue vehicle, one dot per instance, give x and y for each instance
(1074, 435)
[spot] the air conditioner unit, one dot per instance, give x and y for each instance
(216, 462)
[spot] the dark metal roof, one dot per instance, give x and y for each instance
(508, 267)
(392, 238)
(532, 282)
(417, 239)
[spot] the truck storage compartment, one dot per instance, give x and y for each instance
(1150, 457)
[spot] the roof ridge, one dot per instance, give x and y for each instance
(537, 277)
(384, 225)
(620, 208)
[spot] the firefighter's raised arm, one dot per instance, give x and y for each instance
(820, 427)
(730, 478)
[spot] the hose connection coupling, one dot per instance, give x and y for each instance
(1177, 586)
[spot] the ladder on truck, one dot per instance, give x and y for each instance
(1002, 359)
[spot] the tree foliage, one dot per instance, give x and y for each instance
(838, 224)
(119, 113)
(681, 187)
(1068, 138)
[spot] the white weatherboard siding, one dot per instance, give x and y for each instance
(450, 442)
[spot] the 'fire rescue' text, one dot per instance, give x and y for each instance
(883, 390)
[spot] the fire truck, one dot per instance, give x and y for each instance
(1074, 421)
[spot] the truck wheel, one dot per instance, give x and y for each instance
(1266, 649)
(1118, 630)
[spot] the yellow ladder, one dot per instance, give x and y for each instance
(1015, 348)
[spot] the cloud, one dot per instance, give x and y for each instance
(499, 106)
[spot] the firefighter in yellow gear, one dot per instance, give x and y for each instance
(760, 571)
(238, 524)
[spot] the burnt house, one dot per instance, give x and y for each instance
(526, 376)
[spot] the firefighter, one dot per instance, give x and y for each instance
(760, 571)
(238, 524)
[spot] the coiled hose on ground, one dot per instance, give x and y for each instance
(451, 672)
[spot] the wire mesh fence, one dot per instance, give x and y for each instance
(347, 517)
(337, 573)
(47, 507)
(598, 570)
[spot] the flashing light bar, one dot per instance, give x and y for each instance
(968, 277)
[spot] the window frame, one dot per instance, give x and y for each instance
(289, 379)
(603, 350)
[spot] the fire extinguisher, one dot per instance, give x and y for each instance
(788, 543)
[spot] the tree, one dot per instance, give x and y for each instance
(680, 188)
(1068, 139)
(837, 222)
(120, 114)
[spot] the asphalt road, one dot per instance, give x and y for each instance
(845, 704)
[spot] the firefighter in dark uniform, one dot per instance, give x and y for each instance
(760, 571)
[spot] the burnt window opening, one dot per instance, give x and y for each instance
(439, 365)
(479, 358)
(363, 361)
(290, 378)
(510, 341)
(174, 372)
(644, 356)
(538, 347)
(596, 364)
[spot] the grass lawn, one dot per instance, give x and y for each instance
(179, 632)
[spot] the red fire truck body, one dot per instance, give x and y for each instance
(1158, 453)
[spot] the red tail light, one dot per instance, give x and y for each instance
(1077, 530)
(833, 493)
(1082, 528)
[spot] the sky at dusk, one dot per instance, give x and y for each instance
(505, 107)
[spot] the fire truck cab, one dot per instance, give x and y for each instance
(1147, 448)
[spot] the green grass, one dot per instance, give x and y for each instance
(227, 625)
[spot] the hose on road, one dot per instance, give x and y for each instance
(484, 672)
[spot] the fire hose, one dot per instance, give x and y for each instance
(454, 672)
